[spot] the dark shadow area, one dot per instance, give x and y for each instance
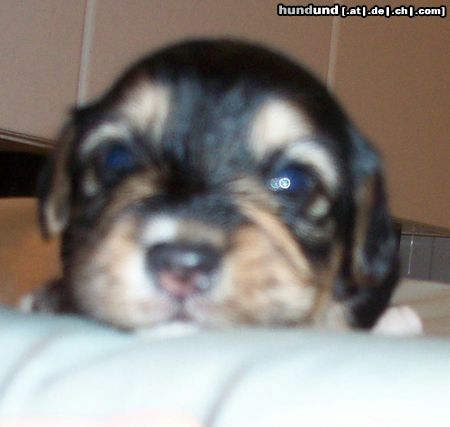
(19, 172)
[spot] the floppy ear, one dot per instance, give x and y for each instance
(372, 269)
(54, 187)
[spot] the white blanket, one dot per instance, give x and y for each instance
(67, 371)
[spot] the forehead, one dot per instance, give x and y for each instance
(189, 113)
(219, 109)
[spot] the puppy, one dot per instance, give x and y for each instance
(218, 183)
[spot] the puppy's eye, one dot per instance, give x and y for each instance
(118, 158)
(113, 162)
(293, 180)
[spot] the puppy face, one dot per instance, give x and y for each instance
(219, 183)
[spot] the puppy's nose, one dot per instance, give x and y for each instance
(183, 269)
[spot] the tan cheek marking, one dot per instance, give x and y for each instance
(280, 237)
(266, 279)
(252, 192)
(134, 189)
(146, 105)
(261, 207)
(94, 270)
(270, 288)
(277, 123)
(261, 285)
(112, 283)
(329, 313)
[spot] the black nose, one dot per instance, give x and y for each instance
(183, 269)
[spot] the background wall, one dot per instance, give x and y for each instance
(425, 257)
(393, 75)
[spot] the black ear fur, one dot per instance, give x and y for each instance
(54, 187)
(44, 183)
(371, 268)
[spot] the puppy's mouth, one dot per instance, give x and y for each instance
(183, 315)
(194, 311)
(165, 309)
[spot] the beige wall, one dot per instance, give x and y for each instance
(40, 48)
(393, 75)
(122, 31)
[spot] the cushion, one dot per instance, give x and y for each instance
(58, 370)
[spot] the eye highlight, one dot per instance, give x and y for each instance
(292, 180)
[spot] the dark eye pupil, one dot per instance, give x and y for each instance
(291, 180)
(119, 159)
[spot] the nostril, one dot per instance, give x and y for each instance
(183, 269)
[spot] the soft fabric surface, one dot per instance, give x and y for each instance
(68, 371)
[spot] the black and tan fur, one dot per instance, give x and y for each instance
(208, 124)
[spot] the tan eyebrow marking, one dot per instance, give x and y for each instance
(277, 123)
(146, 106)
(103, 133)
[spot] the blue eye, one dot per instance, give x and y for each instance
(118, 159)
(292, 180)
